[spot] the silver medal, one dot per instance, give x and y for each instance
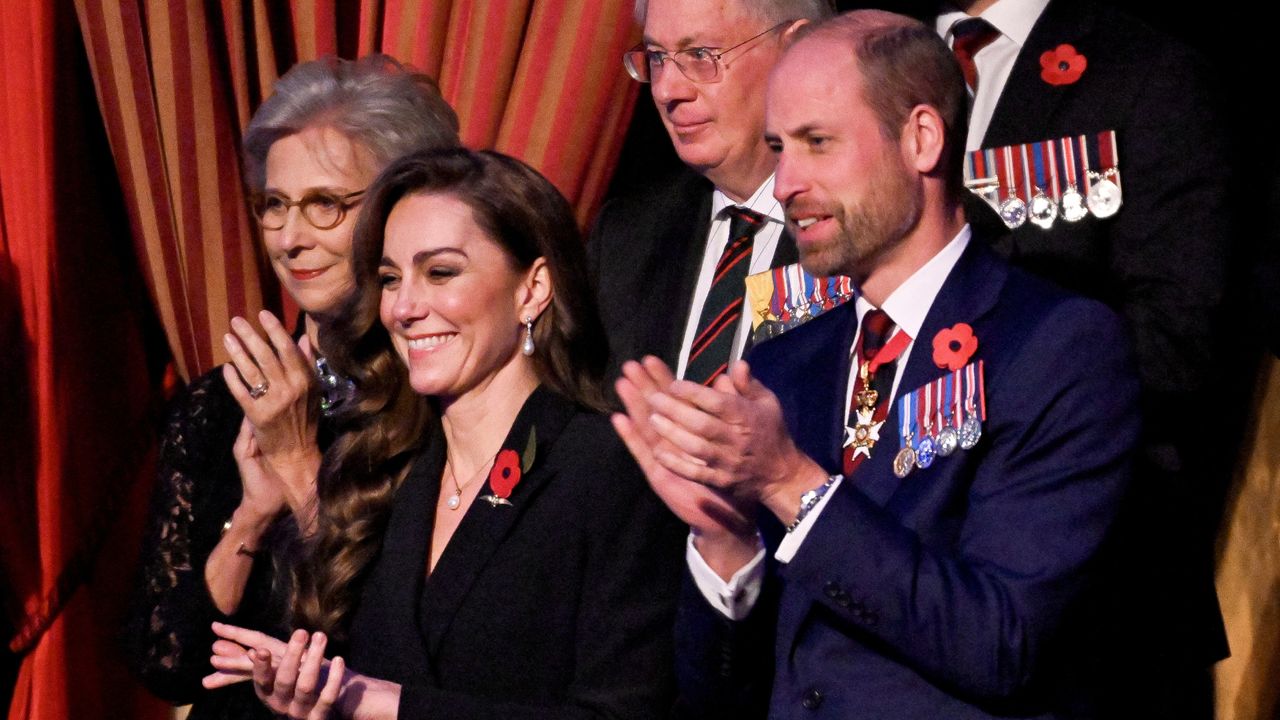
(1013, 211)
(970, 432)
(948, 441)
(1043, 210)
(1073, 207)
(1104, 197)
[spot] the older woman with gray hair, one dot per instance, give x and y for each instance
(240, 454)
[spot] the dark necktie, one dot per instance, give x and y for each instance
(968, 37)
(875, 331)
(718, 323)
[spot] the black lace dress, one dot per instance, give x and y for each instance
(168, 637)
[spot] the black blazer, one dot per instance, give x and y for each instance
(558, 606)
(644, 254)
(1161, 262)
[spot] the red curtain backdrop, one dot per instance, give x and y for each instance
(98, 248)
(177, 82)
(77, 410)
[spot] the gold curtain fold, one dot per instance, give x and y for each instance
(167, 102)
(177, 82)
(1248, 576)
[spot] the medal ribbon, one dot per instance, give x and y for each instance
(1083, 145)
(975, 399)
(1069, 161)
(945, 401)
(1046, 169)
(924, 416)
(906, 420)
(775, 302)
(889, 352)
(1024, 175)
(1107, 155)
(1004, 172)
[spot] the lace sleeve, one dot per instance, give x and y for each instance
(168, 637)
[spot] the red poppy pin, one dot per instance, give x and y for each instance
(1062, 65)
(508, 467)
(953, 346)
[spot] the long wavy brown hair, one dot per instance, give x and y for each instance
(526, 216)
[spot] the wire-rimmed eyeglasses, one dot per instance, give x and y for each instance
(699, 64)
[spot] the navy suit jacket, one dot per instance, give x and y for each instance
(964, 590)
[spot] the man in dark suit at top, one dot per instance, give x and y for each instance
(947, 453)
(1048, 69)
(669, 262)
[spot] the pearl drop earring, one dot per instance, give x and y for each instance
(527, 346)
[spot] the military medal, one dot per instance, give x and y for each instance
(1073, 206)
(948, 438)
(1012, 210)
(905, 460)
(865, 433)
(980, 176)
(1104, 196)
(1043, 210)
(861, 437)
(926, 449)
(975, 406)
(925, 453)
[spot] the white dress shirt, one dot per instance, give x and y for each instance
(763, 246)
(1014, 19)
(907, 306)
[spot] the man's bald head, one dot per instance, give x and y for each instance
(903, 63)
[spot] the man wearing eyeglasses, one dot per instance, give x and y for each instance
(669, 262)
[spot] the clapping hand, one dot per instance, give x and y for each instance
(274, 382)
(292, 679)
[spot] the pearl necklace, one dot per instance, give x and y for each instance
(455, 500)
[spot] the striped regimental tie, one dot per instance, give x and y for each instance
(722, 311)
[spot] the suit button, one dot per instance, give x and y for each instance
(843, 600)
(832, 590)
(812, 699)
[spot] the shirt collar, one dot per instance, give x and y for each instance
(908, 305)
(1013, 18)
(761, 201)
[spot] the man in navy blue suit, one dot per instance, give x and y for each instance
(947, 454)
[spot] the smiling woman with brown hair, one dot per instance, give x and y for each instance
(515, 564)
(239, 458)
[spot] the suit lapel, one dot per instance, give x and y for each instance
(786, 252)
(802, 367)
(485, 526)
(1028, 104)
(388, 600)
(686, 241)
(970, 291)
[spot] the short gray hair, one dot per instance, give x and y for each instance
(771, 11)
(377, 103)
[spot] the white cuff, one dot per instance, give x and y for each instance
(791, 543)
(735, 598)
